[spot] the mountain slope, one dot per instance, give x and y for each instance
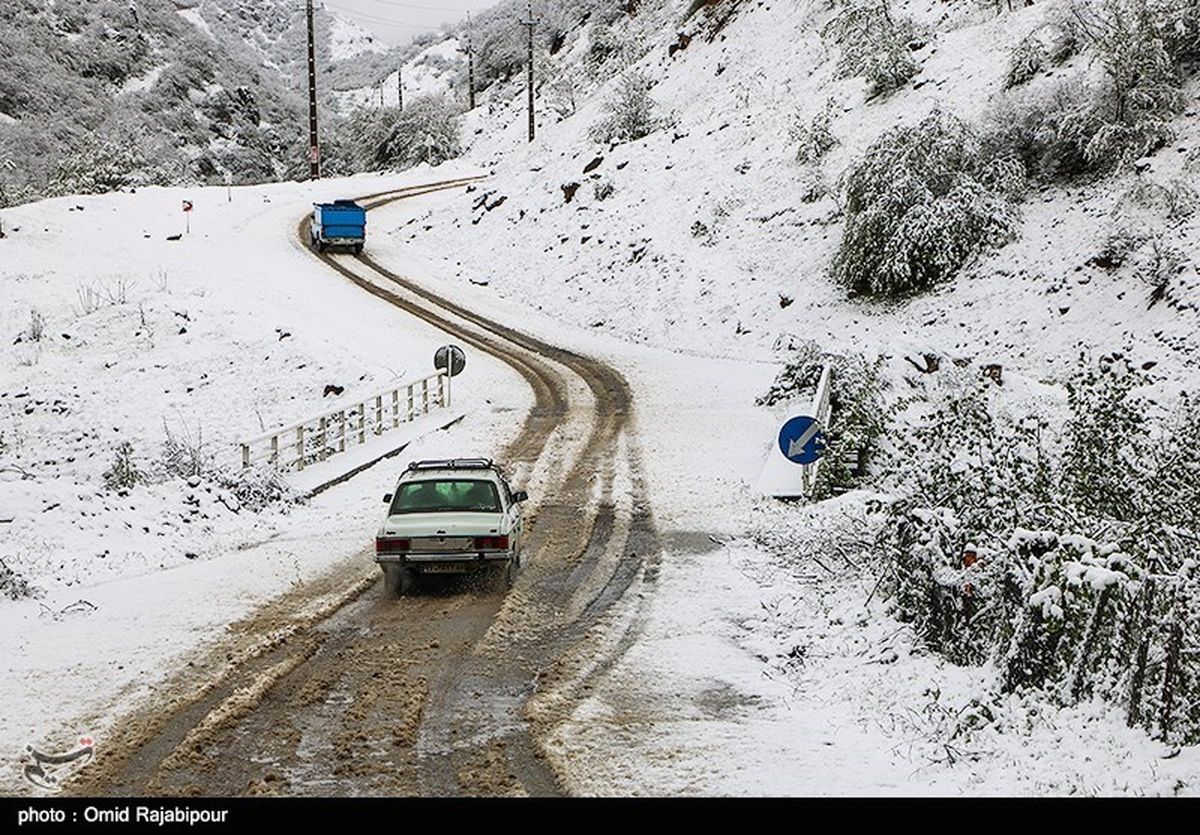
(100, 95)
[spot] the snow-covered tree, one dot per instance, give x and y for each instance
(874, 44)
(923, 201)
(630, 111)
(814, 136)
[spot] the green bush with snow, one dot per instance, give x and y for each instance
(874, 43)
(378, 139)
(1141, 49)
(923, 201)
(814, 135)
(1063, 558)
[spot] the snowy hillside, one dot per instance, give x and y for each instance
(697, 236)
(99, 95)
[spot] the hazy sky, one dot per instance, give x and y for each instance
(395, 21)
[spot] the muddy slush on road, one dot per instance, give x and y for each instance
(339, 689)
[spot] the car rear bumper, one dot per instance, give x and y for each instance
(476, 558)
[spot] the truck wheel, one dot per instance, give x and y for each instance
(320, 246)
(397, 579)
(358, 249)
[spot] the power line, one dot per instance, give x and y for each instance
(381, 20)
(420, 8)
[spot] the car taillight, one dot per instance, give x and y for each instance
(390, 545)
(491, 543)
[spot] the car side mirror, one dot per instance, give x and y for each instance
(520, 496)
(387, 498)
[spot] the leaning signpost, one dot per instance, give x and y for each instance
(790, 471)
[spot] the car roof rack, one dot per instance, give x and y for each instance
(453, 464)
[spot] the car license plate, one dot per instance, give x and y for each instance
(445, 568)
(447, 543)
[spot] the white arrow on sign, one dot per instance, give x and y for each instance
(796, 446)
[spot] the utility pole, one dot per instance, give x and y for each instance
(400, 87)
(531, 23)
(314, 147)
(470, 67)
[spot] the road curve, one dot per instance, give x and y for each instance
(337, 689)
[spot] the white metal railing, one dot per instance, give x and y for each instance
(317, 438)
(821, 411)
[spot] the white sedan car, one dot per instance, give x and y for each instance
(449, 517)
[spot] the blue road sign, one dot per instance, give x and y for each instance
(801, 440)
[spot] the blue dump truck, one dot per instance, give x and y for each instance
(340, 223)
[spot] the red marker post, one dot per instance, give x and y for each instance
(187, 214)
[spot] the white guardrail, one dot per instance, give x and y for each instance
(821, 411)
(315, 439)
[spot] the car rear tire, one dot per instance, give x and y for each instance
(510, 571)
(398, 580)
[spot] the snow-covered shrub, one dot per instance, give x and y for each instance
(612, 48)
(1039, 128)
(1130, 116)
(37, 326)
(813, 136)
(875, 44)
(630, 112)
(124, 472)
(603, 189)
(923, 201)
(1027, 59)
(859, 413)
(255, 489)
(185, 453)
(1066, 557)
(105, 165)
(1176, 200)
(427, 130)
(1048, 45)
(374, 139)
(561, 91)
(1075, 128)
(14, 586)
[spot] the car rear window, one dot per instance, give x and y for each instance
(435, 496)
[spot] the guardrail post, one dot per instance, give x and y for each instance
(425, 396)
(411, 404)
(324, 440)
(395, 408)
(342, 431)
(275, 451)
(300, 447)
(379, 415)
(362, 423)
(245, 456)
